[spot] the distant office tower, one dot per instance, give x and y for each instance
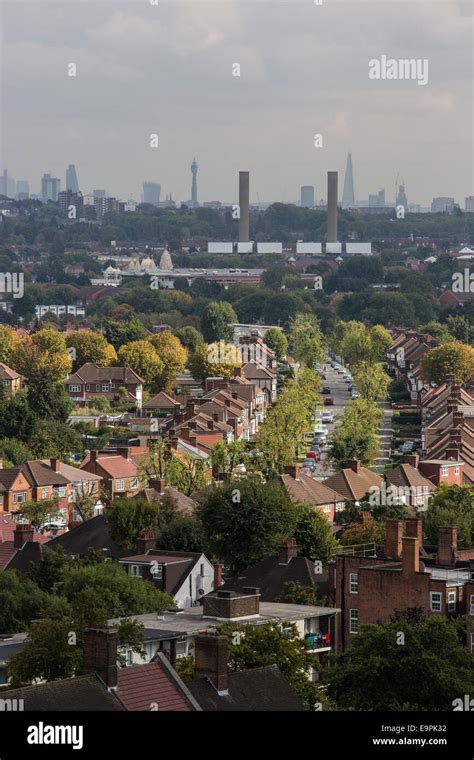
(50, 187)
(378, 200)
(105, 206)
(442, 205)
(194, 187)
(348, 195)
(67, 198)
(99, 193)
(4, 183)
(151, 192)
(71, 179)
(402, 197)
(470, 204)
(22, 189)
(244, 205)
(332, 208)
(307, 196)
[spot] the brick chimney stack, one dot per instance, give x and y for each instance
(22, 534)
(288, 550)
(410, 555)
(159, 484)
(55, 464)
(414, 529)
(393, 539)
(447, 545)
(146, 541)
(352, 464)
(292, 469)
(211, 654)
(217, 575)
(100, 654)
(413, 459)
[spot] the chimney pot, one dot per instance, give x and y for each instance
(100, 654)
(410, 555)
(288, 550)
(393, 539)
(447, 545)
(22, 534)
(211, 655)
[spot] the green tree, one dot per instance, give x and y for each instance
(182, 533)
(173, 357)
(371, 381)
(40, 512)
(216, 321)
(255, 646)
(277, 341)
(454, 358)
(451, 505)
(187, 474)
(47, 396)
(190, 337)
(246, 520)
(459, 327)
(314, 535)
(432, 653)
(127, 519)
(295, 593)
(306, 342)
(21, 600)
(91, 347)
(47, 655)
(141, 356)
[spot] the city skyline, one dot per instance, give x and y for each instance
(265, 119)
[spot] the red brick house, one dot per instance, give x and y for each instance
(92, 381)
(120, 474)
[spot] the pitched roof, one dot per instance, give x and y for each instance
(162, 401)
(7, 549)
(91, 534)
(407, 475)
(75, 474)
(270, 577)
(258, 689)
(257, 371)
(6, 373)
(184, 504)
(93, 373)
(307, 490)
(41, 474)
(79, 694)
(140, 687)
(351, 485)
(115, 465)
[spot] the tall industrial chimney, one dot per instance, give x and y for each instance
(332, 207)
(244, 223)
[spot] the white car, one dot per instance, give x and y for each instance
(327, 417)
(355, 394)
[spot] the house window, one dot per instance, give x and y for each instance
(61, 491)
(353, 583)
(74, 389)
(105, 387)
(444, 471)
(120, 485)
(327, 508)
(180, 648)
(456, 470)
(134, 483)
(136, 571)
(88, 387)
(44, 493)
(156, 569)
(129, 657)
(97, 387)
(435, 601)
(201, 572)
(451, 601)
(353, 621)
(471, 611)
(19, 497)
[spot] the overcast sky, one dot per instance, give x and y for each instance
(167, 69)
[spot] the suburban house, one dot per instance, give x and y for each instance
(11, 380)
(161, 405)
(353, 481)
(113, 383)
(304, 489)
(404, 360)
(157, 489)
(120, 474)
(410, 485)
(272, 574)
(18, 538)
(439, 580)
(263, 379)
(185, 576)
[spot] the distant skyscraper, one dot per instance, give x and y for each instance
(22, 189)
(442, 205)
(348, 194)
(4, 183)
(71, 179)
(378, 200)
(151, 192)
(194, 188)
(470, 204)
(50, 187)
(99, 193)
(307, 196)
(402, 197)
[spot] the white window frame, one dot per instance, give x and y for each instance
(135, 571)
(444, 470)
(353, 621)
(456, 470)
(19, 497)
(120, 484)
(452, 601)
(105, 387)
(97, 387)
(353, 584)
(471, 606)
(74, 388)
(434, 603)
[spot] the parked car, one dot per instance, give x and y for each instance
(407, 446)
(313, 455)
(310, 464)
(327, 417)
(326, 390)
(355, 394)
(320, 436)
(329, 401)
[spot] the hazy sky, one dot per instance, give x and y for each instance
(167, 69)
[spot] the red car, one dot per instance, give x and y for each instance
(313, 455)
(329, 401)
